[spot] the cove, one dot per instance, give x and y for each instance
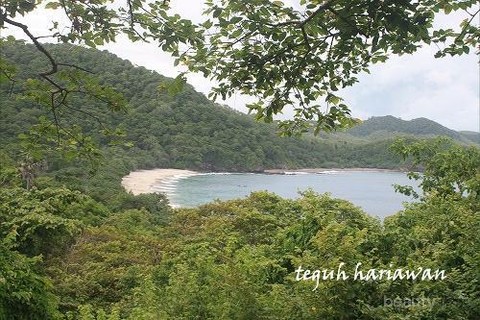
(371, 190)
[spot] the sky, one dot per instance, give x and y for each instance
(445, 90)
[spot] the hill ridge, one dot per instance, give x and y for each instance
(418, 126)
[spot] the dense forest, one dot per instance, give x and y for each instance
(377, 127)
(187, 130)
(75, 245)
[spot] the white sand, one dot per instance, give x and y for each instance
(142, 181)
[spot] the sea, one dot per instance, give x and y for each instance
(373, 191)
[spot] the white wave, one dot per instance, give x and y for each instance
(216, 173)
(295, 173)
(329, 172)
(163, 188)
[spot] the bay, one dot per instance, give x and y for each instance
(371, 190)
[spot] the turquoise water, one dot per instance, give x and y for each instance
(373, 191)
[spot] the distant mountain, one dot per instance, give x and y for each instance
(471, 135)
(387, 126)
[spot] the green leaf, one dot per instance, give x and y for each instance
(447, 8)
(207, 24)
(98, 41)
(52, 5)
(217, 12)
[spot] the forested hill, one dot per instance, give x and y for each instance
(184, 131)
(187, 130)
(389, 125)
(471, 135)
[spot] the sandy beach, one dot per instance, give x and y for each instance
(143, 181)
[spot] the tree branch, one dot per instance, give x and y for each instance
(305, 37)
(325, 5)
(302, 23)
(76, 67)
(37, 44)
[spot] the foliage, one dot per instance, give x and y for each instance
(56, 96)
(439, 232)
(24, 294)
(9, 176)
(46, 221)
(420, 127)
(107, 263)
(291, 55)
(156, 204)
(186, 131)
(76, 244)
(448, 170)
(284, 55)
(238, 259)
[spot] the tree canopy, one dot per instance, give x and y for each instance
(64, 255)
(284, 55)
(79, 247)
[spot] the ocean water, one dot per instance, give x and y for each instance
(373, 191)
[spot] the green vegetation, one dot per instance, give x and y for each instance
(65, 255)
(185, 131)
(421, 127)
(283, 54)
(75, 245)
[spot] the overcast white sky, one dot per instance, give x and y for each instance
(445, 90)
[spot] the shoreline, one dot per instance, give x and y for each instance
(163, 180)
(327, 170)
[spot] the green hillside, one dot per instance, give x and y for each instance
(184, 131)
(470, 135)
(188, 130)
(421, 127)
